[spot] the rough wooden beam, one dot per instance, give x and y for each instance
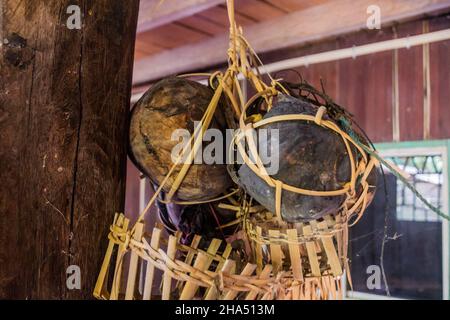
(64, 101)
(316, 23)
(154, 13)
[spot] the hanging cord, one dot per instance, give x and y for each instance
(385, 232)
(393, 170)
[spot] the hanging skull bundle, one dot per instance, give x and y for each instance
(175, 104)
(310, 157)
(286, 227)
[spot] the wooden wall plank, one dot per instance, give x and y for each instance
(440, 82)
(327, 72)
(365, 86)
(410, 83)
(132, 191)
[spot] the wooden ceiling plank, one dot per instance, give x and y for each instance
(312, 24)
(143, 49)
(199, 22)
(258, 9)
(154, 13)
(295, 5)
(171, 36)
(220, 15)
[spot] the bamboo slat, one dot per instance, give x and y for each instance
(294, 252)
(330, 251)
(120, 256)
(190, 288)
(312, 254)
(228, 267)
(190, 256)
(276, 254)
(265, 274)
(167, 279)
(150, 271)
(194, 245)
(132, 269)
(226, 253)
(248, 270)
(202, 263)
(258, 251)
(100, 288)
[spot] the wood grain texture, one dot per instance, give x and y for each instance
(410, 82)
(219, 15)
(294, 5)
(440, 82)
(64, 99)
(155, 13)
(197, 22)
(327, 73)
(258, 10)
(171, 35)
(365, 85)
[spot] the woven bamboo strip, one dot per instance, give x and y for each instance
(212, 249)
(194, 245)
(276, 254)
(332, 290)
(167, 279)
(202, 263)
(265, 274)
(330, 251)
(225, 255)
(190, 287)
(312, 255)
(228, 267)
(339, 237)
(339, 286)
(248, 270)
(314, 227)
(190, 256)
(296, 291)
(212, 292)
(294, 252)
(99, 290)
(132, 269)
(258, 251)
(150, 272)
(120, 255)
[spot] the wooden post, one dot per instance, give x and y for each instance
(64, 101)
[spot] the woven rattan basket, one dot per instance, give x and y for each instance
(290, 262)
